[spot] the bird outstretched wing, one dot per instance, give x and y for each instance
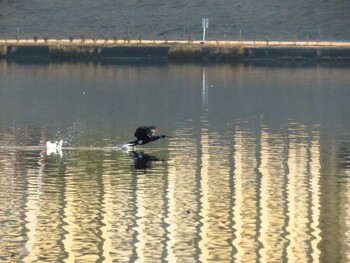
(144, 132)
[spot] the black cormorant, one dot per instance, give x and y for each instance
(144, 135)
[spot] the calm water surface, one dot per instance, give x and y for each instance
(257, 169)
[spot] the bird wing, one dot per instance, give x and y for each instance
(144, 132)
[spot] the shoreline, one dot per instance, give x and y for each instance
(180, 50)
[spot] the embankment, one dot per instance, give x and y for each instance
(176, 50)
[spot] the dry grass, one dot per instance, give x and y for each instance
(46, 38)
(139, 38)
(227, 53)
(185, 51)
(82, 37)
(73, 52)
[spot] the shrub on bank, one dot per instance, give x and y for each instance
(46, 38)
(185, 51)
(82, 37)
(226, 53)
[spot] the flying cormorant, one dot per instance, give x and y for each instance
(144, 135)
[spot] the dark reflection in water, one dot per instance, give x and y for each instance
(144, 161)
(257, 168)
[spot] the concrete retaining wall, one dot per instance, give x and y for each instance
(171, 52)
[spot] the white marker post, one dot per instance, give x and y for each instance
(205, 25)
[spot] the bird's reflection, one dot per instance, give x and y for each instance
(144, 161)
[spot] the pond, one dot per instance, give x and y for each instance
(257, 167)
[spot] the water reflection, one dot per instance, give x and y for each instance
(144, 161)
(255, 197)
(237, 182)
(245, 209)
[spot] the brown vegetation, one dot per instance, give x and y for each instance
(46, 38)
(185, 51)
(227, 53)
(82, 37)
